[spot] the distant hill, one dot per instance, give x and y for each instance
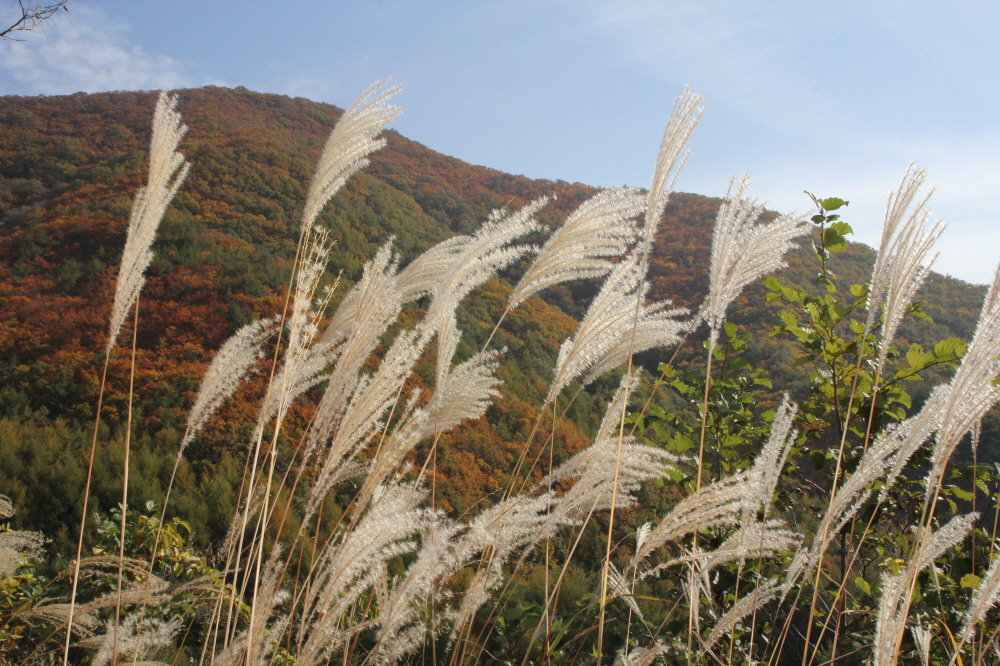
(70, 165)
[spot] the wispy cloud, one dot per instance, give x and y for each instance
(86, 50)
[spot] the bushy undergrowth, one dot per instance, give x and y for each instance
(710, 520)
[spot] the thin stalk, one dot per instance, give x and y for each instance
(833, 491)
(701, 461)
(124, 505)
(267, 395)
(83, 513)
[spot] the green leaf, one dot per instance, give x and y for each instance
(962, 494)
(915, 357)
(859, 290)
(833, 241)
(841, 228)
(970, 580)
(863, 584)
(832, 203)
(950, 347)
(772, 284)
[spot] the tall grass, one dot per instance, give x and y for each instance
(400, 579)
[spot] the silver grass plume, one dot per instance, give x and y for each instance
(372, 397)
(890, 451)
(757, 599)
(893, 605)
(426, 273)
(853, 493)
(488, 251)
(899, 202)
(448, 338)
(503, 528)
(770, 461)
(922, 638)
(602, 227)
(618, 588)
(656, 327)
(463, 393)
(349, 568)
(907, 270)
(911, 434)
(363, 316)
(594, 469)
(717, 504)
(642, 534)
(378, 281)
(401, 631)
(302, 361)
(136, 645)
(18, 547)
(974, 388)
(684, 117)
(759, 539)
(984, 598)
(616, 407)
(235, 358)
(743, 251)
(346, 151)
(609, 316)
(87, 617)
(390, 452)
(167, 170)
(641, 656)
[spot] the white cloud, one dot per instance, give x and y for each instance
(86, 50)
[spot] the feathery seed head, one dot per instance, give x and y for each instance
(346, 151)
(743, 251)
(974, 388)
(671, 159)
(602, 227)
(487, 252)
(167, 170)
(899, 202)
(234, 359)
(897, 276)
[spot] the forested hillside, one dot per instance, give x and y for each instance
(69, 167)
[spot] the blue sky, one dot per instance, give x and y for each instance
(836, 98)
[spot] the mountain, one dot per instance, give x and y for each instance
(69, 167)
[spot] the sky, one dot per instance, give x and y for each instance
(836, 98)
